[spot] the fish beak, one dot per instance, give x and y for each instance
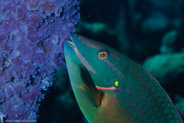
(70, 42)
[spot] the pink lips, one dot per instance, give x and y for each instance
(106, 88)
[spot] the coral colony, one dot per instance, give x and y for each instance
(32, 33)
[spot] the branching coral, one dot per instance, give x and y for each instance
(32, 33)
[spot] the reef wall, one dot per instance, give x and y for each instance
(32, 33)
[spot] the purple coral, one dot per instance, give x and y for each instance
(32, 33)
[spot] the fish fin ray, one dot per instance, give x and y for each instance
(94, 94)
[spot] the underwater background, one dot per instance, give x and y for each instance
(34, 82)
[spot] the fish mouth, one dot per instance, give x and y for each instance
(71, 43)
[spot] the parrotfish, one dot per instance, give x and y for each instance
(111, 88)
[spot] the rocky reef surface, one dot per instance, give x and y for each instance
(32, 33)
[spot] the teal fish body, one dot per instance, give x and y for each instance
(111, 88)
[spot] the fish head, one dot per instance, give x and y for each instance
(94, 74)
(99, 59)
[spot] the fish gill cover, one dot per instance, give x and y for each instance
(32, 33)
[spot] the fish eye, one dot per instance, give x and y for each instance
(102, 54)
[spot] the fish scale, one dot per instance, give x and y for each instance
(150, 107)
(152, 89)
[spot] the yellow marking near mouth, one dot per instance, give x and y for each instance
(116, 83)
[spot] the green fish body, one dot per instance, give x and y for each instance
(111, 88)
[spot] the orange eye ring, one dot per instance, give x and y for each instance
(103, 54)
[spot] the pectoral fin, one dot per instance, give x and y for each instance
(94, 95)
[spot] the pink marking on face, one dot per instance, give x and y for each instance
(106, 88)
(84, 61)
